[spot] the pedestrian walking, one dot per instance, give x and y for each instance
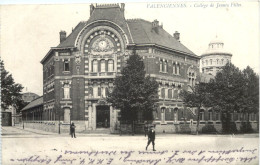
(72, 130)
(151, 137)
(145, 129)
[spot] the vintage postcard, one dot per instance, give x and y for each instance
(149, 83)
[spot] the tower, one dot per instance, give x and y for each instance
(215, 57)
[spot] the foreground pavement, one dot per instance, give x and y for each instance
(37, 147)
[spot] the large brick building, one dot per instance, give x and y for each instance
(78, 73)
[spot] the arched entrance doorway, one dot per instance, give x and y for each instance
(103, 116)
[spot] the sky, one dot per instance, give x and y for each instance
(29, 31)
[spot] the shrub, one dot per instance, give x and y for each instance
(246, 127)
(208, 129)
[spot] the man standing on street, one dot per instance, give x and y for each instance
(72, 130)
(151, 137)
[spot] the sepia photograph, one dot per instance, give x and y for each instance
(127, 83)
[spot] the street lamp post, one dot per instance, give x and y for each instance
(59, 119)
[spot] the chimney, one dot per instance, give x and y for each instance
(91, 8)
(62, 36)
(155, 26)
(122, 7)
(176, 35)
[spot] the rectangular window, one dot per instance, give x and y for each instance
(175, 94)
(165, 66)
(217, 116)
(168, 115)
(210, 115)
(140, 116)
(166, 93)
(159, 92)
(170, 93)
(103, 65)
(174, 68)
(66, 65)
(202, 115)
(99, 91)
(103, 92)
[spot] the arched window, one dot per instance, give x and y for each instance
(210, 61)
(217, 115)
(94, 66)
(103, 92)
(165, 66)
(102, 65)
(222, 61)
(210, 114)
(99, 91)
(161, 65)
(166, 93)
(217, 61)
(174, 68)
(110, 65)
(178, 69)
(201, 114)
(169, 93)
(107, 92)
(95, 91)
(90, 91)
(175, 94)
(163, 93)
(192, 82)
(206, 62)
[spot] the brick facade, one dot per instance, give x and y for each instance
(80, 71)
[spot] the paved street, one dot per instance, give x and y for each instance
(38, 147)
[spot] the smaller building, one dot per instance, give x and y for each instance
(9, 116)
(33, 111)
(29, 96)
(6, 118)
(214, 58)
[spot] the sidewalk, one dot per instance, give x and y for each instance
(18, 130)
(42, 132)
(36, 131)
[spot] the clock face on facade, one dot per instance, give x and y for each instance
(102, 44)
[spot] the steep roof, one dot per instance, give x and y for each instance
(34, 103)
(111, 12)
(70, 40)
(142, 33)
(139, 31)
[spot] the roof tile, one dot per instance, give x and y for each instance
(34, 103)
